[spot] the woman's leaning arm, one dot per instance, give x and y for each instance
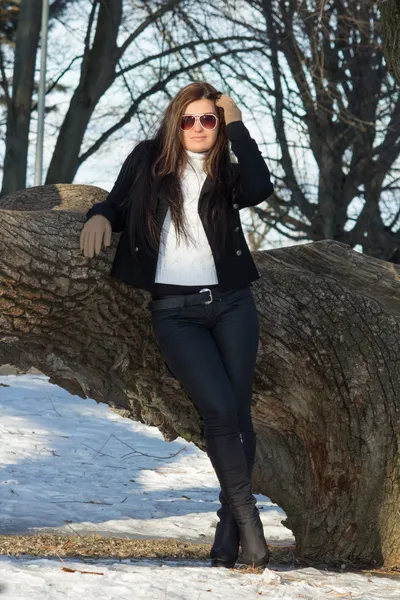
(255, 178)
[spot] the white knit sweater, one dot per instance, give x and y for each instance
(191, 262)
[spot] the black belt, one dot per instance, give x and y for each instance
(186, 300)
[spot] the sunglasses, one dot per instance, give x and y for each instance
(207, 121)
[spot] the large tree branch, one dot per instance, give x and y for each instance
(325, 397)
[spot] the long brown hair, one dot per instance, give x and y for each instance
(163, 159)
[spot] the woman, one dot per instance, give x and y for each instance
(183, 184)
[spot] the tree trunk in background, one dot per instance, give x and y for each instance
(326, 390)
(19, 109)
(97, 75)
(390, 10)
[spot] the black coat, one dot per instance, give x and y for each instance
(236, 266)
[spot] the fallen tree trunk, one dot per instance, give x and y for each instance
(326, 390)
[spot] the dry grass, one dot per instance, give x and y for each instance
(98, 547)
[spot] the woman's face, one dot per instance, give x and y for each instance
(206, 137)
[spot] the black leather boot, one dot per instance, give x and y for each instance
(227, 456)
(225, 549)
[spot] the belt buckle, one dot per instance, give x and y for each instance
(211, 296)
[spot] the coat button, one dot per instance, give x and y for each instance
(238, 252)
(236, 206)
(237, 228)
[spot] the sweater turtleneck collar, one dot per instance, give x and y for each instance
(196, 156)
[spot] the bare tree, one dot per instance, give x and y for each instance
(322, 77)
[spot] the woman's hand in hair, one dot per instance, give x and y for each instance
(231, 111)
(96, 230)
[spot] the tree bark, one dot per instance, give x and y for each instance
(390, 11)
(19, 105)
(326, 389)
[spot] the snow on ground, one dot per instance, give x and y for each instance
(73, 466)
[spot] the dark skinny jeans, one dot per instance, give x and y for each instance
(211, 349)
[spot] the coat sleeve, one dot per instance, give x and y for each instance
(255, 184)
(114, 206)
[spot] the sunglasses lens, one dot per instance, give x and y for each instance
(208, 121)
(187, 122)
